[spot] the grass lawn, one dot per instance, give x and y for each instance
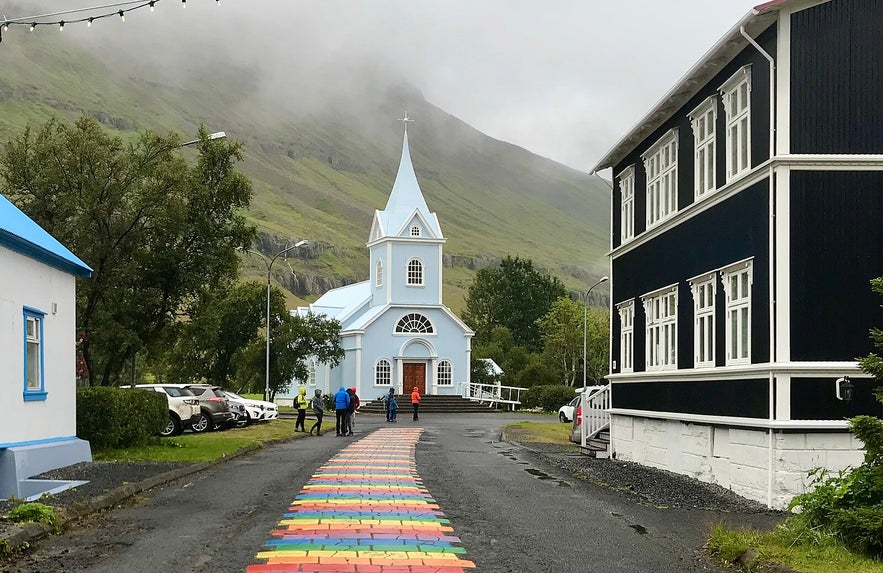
(202, 447)
(545, 432)
(825, 554)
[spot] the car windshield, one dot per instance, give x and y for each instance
(218, 392)
(234, 396)
(177, 392)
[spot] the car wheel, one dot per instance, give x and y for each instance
(248, 420)
(203, 424)
(562, 418)
(173, 427)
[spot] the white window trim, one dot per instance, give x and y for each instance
(432, 331)
(378, 270)
(741, 77)
(708, 145)
(703, 314)
(389, 372)
(627, 204)
(655, 153)
(626, 310)
(668, 324)
(422, 273)
(743, 303)
(450, 370)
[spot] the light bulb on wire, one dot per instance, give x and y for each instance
(61, 26)
(122, 16)
(33, 27)
(89, 22)
(151, 5)
(5, 26)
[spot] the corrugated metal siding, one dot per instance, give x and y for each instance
(729, 232)
(836, 249)
(738, 398)
(837, 78)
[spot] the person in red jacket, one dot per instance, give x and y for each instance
(415, 401)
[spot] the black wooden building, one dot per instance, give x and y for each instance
(747, 223)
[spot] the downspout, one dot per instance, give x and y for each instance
(772, 260)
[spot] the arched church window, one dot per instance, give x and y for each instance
(382, 373)
(415, 272)
(378, 279)
(415, 231)
(445, 373)
(414, 324)
(311, 373)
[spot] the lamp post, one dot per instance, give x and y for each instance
(269, 263)
(585, 320)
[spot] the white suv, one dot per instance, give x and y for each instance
(183, 407)
(258, 410)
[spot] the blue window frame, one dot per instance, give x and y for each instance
(34, 381)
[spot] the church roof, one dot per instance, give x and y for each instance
(20, 233)
(406, 198)
(341, 302)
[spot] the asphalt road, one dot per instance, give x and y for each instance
(512, 512)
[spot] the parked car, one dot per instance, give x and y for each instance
(565, 412)
(575, 432)
(214, 408)
(256, 410)
(183, 407)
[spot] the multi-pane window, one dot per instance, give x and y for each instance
(378, 274)
(703, 120)
(737, 280)
(414, 323)
(33, 354)
(704, 289)
(660, 309)
(415, 231)
(445, 373)
(382, 373)
(736, 94)
(415, 272)
(311, 373)
(661, 164)
(627, 336)
(627, 189)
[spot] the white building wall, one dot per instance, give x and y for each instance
(734, 458)
(26, 282)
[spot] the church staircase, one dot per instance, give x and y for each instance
(428, 405)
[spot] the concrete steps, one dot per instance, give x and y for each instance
(428, 404)
(599, 446)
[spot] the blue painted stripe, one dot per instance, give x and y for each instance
(345, 541)
(37, 442)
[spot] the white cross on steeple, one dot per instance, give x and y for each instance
(405, 120)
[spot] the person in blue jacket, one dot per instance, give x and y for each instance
(341, 403)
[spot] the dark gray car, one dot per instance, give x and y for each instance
(214, 410)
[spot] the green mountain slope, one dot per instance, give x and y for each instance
(320, 174)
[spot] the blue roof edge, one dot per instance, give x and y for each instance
(15, 243)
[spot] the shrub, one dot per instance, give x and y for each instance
(549, 398)
(119, 418)
(34, 512)
(536, 374)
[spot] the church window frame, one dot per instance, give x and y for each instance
(445, 373)
(383, 372)
(414, 323)
(415, 274)
(378, 272)
(415, 231)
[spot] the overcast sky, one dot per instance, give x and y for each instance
(562, 78)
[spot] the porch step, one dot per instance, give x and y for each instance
(598, 447)
(428, 404)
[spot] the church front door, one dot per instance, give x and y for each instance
(414, 375)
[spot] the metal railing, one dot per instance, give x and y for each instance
(495, 395)
(595, 414)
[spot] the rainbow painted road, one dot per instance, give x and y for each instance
(366, 510)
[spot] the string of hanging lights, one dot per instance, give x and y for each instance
(93, 13)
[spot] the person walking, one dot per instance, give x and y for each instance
(354, 405)
(341, 403)
(319, 411)
(386, 400)
(301, 403)
(415, 401)
(392, 412)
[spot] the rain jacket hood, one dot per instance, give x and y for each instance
(318, 405)
(415, 396)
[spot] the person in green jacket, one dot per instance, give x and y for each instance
(301, 403)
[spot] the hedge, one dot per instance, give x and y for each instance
(549, 398)
(119, 418)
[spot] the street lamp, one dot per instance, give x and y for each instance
(269, 263)
(216, 135)
(585, 319)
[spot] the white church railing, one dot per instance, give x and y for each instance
(495, 394)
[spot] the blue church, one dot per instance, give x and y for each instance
(394, 328)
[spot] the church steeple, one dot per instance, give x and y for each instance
(406, 202)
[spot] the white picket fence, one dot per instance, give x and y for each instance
(494, 395)
(595, 414)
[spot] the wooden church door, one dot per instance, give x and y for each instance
(414, 375)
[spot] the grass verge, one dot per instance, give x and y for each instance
(821, 554)
(541, 432)
(195, 448)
